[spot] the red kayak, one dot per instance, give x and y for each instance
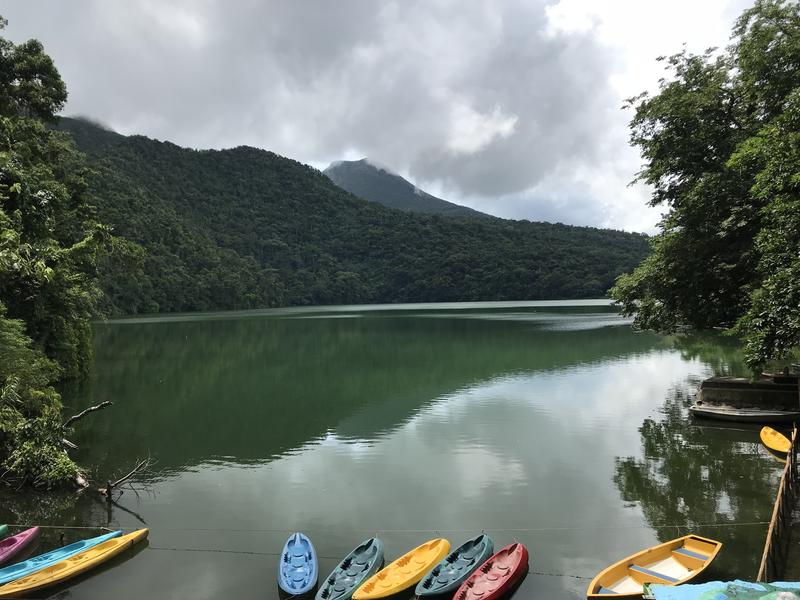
(497, 575)
(12, 546)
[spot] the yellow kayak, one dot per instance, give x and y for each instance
(775, 440)
(404, 572)
(69, 568)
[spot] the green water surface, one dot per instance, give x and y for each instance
(549, 423)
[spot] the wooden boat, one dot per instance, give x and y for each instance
(297, 571)
(73, 566)
(403, 572)
(449, 574)
(670, 563)
(26, 567)
(497, 575)
(12, 546)
(753, 415)
(775, 440)
(358, 566)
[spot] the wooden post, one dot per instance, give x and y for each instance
(773, 554)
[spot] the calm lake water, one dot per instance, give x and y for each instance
(550, 423)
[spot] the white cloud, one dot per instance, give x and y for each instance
(471, 131)
(511, 108)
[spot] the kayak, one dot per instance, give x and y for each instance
(449, 574)
(37, 563)
(3, 531)
(404, 571)
(11, 547)
(362, 563)
(671, 563)
(75, 565)
(497, 575)
(775, 440)
(297, 572)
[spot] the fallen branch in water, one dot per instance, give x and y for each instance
(83, 413)
(111, 486)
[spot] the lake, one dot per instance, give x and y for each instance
(549, 423)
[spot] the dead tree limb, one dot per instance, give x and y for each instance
(111, 486)
(83, 413)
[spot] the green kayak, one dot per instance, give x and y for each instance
(3, 532)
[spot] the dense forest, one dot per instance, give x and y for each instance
(245, 228)
(49, 248)
(372, 182)
(721, 148)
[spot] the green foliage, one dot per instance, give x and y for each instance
(246, 228)
(49, 245)
(720, 147)
(30, 426)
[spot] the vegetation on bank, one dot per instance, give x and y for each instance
(49, 244)
(721, 148)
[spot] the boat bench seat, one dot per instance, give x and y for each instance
(686, 552)
(639, 569)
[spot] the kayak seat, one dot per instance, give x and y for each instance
(605, 590)
(691, 553)
(639, 569)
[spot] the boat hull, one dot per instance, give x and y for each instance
(403, 572)
(497, 576)
(457, 566)
(671, 563)
(298, 569)
(12, 546)
(363, 562)
(25, 568)
(73, 566)
(746, 415)
(775, 440)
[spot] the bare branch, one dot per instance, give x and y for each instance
(83, 413)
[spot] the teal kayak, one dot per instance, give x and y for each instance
(3, 532)
(358, 566)
(47, 559)
(456, 567)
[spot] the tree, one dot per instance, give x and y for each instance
(714, 156)
(49, 245)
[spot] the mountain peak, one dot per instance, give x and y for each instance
(375, 182)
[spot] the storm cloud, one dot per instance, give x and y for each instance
(498, 105)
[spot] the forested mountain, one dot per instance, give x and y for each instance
(246, 228)
(377, 184)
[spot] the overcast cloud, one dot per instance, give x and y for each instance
(511, 107)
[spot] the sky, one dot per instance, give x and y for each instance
(510, 107)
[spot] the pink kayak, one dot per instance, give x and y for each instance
(12, 546)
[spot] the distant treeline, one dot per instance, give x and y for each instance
(244, 228)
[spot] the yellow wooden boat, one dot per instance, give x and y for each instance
(71, 567)
(670, 563)
(775, 440)
(406, 571)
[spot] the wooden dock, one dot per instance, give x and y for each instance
(776, 547)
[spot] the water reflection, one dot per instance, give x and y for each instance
(255, 389)
(523, 422)
(697, 472)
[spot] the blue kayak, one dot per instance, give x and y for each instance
(456, 567)
(358, 566)
(297, 572)
(47, 559)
